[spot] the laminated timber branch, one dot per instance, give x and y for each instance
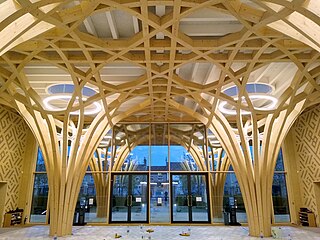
(173, 61)
(99, 165)
(219, 179)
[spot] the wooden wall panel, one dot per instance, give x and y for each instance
(13, 136)
(306, 137)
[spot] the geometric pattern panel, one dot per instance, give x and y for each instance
(13, 133)
(307, 144)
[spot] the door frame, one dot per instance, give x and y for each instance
(189, 191)
(3, 195)
(316, 189)
(130, 174)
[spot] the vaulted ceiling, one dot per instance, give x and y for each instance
(156, 61)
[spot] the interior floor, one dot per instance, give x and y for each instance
(160, 232)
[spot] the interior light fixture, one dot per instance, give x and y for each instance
(63, 92)
(252, 87)
(212, 136)
(215, 142)
(256, 91)
(47, 102)
(104, 142)
(265, 97)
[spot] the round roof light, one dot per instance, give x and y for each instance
(69, 88)
(264, 88)
(95, 107)
(60, 95)
(257, 92)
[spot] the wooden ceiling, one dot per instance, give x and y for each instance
(157, 61)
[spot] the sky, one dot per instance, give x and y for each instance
(159, 154)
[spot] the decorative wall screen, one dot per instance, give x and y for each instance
(13, 133)
(306, 132)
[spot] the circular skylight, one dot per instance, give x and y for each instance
(250, 88)
(69, 88)
(60, 95)
(259, 95)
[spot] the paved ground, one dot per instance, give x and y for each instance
(160, 233)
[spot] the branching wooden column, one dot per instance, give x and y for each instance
(67, 154)
(254, 157)
(99, 166)
(252, 141)
(223, 164)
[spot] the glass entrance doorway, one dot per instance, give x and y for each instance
(189, 194)
(129, 201)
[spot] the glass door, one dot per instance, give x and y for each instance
(189, 198)
(129, 198)
(139, 198)
(180, 198)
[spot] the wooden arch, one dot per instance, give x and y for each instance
(125, 150)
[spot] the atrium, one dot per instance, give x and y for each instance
(180, 113)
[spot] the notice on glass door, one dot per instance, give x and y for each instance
(138, 199)
(198, 199)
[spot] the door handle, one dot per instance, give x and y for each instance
(189, 200)
(129, 200)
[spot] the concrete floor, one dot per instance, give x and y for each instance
(160, 233)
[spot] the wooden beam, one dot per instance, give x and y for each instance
(112, 25)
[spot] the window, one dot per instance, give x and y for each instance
(40, 192)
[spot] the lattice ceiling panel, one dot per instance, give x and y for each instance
(179, 56)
